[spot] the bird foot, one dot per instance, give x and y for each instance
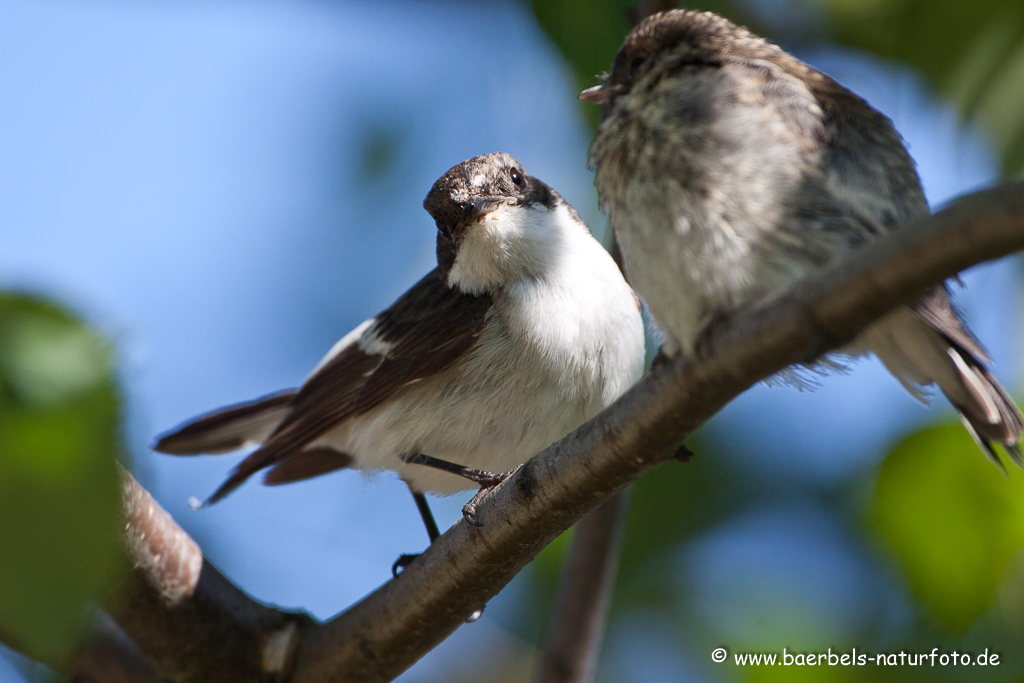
(488, 482)
(402, 562)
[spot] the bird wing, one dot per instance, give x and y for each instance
(421, 334)
(934, 306)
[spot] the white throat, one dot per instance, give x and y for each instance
(513, 243)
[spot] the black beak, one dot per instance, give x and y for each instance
(478, 207)
(467, 212)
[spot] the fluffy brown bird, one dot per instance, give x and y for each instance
(730, 170)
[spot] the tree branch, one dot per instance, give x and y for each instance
(191, 623)
(390, 629)
(577, 628)
(109, 656)
(577, 624)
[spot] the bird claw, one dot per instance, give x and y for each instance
(488, 482)
(469, 509)
(402, 562)
(469, 514)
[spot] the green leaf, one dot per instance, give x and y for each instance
(971, 52)
(589, 34)
(671, 504)
(953, 521)
(59, 495)
(798, 674)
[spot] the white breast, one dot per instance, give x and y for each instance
(561, 344)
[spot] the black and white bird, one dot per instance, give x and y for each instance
(730, 170)
(525, 330)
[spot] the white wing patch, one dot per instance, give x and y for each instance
(365, 335)
(344, 343)
(371, 344)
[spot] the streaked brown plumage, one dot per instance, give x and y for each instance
(730, 169)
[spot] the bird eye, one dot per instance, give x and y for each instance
(635, 65)
(516, 177)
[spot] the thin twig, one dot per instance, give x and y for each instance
(577, 628)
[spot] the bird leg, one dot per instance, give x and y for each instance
(405, 559)
(486, 486)
(426, 515)
(487, 480)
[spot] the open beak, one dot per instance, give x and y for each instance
(597, 95)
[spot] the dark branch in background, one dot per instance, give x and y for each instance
(109, 656)
(577, 629)
(105, 655)
(577, 626)
(191, 624)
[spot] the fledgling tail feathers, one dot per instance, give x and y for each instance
(926, 343)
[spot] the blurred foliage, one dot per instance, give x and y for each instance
(954, 522)
(671, 505)
(587, 33)
(802, 674)
(59, 494)
(590, 33)
(970, 52)
(380, 147)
